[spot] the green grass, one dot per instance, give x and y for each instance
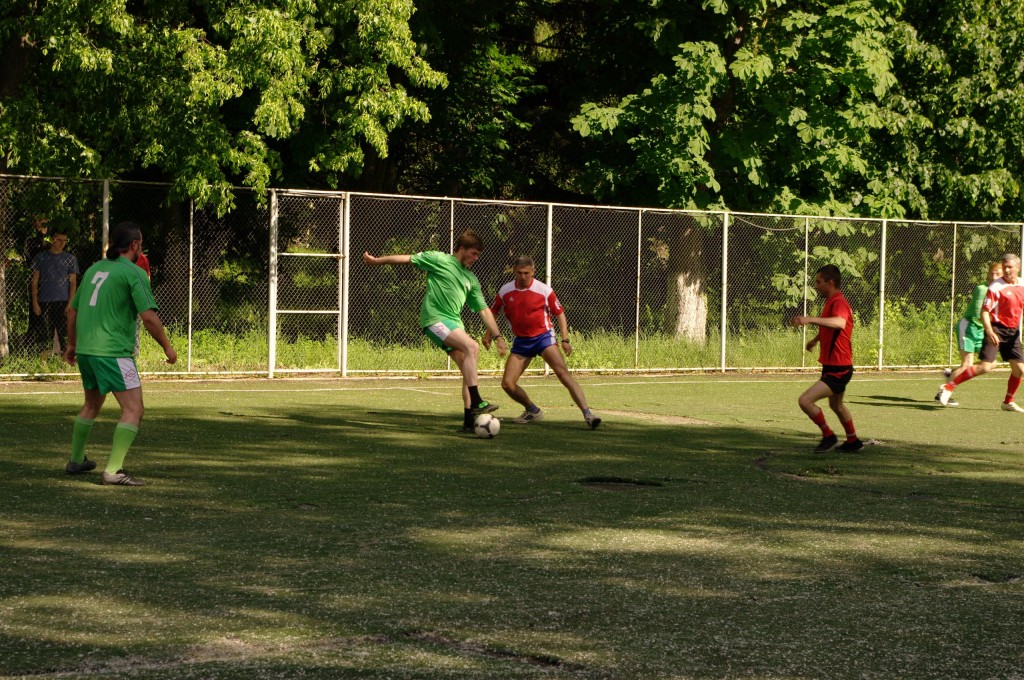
(340, 529)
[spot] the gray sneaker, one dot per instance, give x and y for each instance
(593, 421)
(121, 478)
(73, 468)
(528, 417)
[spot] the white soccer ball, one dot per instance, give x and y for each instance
(486, 426)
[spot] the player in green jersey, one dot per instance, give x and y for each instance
(101, 338)
(449, 285)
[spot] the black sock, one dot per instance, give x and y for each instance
(474, 395)
(467, 419)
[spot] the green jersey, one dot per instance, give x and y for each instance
(449, 284)
(973, 311)
(113, 293)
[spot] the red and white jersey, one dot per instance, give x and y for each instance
(1005, 302)
(528, 310)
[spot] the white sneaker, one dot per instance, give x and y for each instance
(944, 395)
(1012, 406)
(528, 417)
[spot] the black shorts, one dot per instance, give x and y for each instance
(836, 377)
(1009, 345)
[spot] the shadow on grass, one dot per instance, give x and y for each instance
(354, 541)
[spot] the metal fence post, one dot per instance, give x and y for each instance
(272, 287)
(807, 256)
(191, 274)
(106, 217)
(639, 250)
(343, 293)
(725, 282)
(547, 258)
(881, 298)
(952, 297)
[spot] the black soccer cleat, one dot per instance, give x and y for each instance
(73, 468)
(826, 443)
(851, 447)
(483, 407)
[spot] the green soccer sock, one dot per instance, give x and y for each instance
(80, 434)
(124, 435)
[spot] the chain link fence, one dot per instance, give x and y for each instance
(278, 284)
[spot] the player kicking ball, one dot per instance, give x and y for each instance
(836, 358)
(1000, 315)
(449, 285)
(528, 305)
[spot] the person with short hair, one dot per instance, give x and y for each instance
(1000, 315)
(53, 283)
(970, 331)
(529, 304)
(836, 358)
(450, 283)
(101, 339)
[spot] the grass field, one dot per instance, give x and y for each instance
(342, 529)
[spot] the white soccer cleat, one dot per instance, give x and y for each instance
(944, 395)
(1012, 406)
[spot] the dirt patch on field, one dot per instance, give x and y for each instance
(654, 417)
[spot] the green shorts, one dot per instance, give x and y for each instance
(970, 337)
(440, 331)
(108, 374)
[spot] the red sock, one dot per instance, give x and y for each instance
(1011, 388)
(851, 431)
(963, 377)
(819, 420)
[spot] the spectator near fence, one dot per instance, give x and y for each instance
(37, 242)
(53, 284)
(1001, 315)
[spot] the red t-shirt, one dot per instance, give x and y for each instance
(1005, 302)
(528, 310)
(836, 347)
(143, 262)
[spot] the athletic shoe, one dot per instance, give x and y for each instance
(947, 372)
(944, 395)
(121, 478)
(850, 447)
(528, 417)
(826, 443)
(1012, 406)
(465, 430)
(952, 401)
(73, 468)
(593, 421)
(483, 407)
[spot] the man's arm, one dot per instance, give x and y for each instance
(69, 351)
(155, 328)
(837, 322)
(986, 321)
(492, 331)
(386, 259)
(563, 333)
(35, 292)
(72, 286)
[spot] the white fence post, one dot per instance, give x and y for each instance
(639, 250)
(191, 274)
(725, 283)
(343, 297)
(803, 287)
(547, 259)
(881, 298)
(952, 298)
(272, 290)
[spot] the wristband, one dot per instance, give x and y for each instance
(567, 340)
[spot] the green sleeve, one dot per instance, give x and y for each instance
(476, 296)
(427, 260)
(977, 299)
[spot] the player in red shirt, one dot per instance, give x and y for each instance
(836, 358)
(529, 304)
(1000, 314)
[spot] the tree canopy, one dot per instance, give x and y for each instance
(898, 108)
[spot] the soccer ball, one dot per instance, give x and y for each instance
(486, 426)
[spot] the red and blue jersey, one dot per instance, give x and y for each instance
(529, 310)
(836, 345)
(1004, 302)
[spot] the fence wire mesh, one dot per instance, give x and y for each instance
(279, 284)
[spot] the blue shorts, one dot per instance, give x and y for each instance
(532, 347)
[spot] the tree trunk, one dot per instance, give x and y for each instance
(687, 305)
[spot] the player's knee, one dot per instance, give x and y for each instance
(509, 385)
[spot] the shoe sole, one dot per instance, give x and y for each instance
(490, 408)
(594, 424)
